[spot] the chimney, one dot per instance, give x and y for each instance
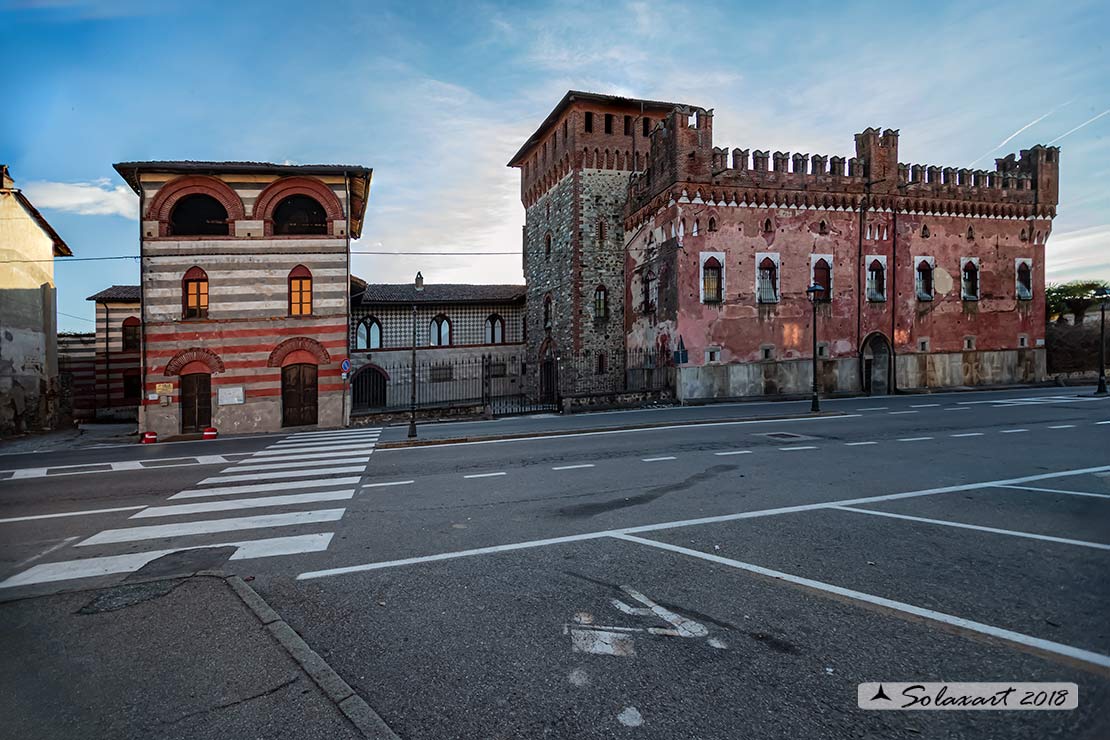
(7, 182)
(419, 283)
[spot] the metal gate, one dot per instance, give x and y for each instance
(520, 398)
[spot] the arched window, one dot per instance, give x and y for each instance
(300, 214)
(601, 302)
(924, 280)
(823, 227)
(368, 335)
(697, 227)
(768, 281)
(767, 228)
(198, 215)
(924, 231)
(547, 312)
(876, 281)
(970, 233)
(1023, 236)
(300, 291)
(970, 281)
(1024, 282)
(712, 224)
(495, 329)
(885, 233)
(194, 294)
(650, 291)
(711, 283)
(822, 276)
(547, 245)
(132, 329)
(439, 332)
(868, 235)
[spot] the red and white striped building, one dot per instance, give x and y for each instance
(118, 387)
(245, 300)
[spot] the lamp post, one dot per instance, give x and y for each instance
(1103, 295)
(814, 291)
(418, 287)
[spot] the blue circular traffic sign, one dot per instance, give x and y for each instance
(346, 366)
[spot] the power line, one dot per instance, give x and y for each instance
(82, 318)
(63, 260)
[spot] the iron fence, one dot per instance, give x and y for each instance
(627, 371)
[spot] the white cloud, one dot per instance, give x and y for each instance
(1078, 254)
(97, 198)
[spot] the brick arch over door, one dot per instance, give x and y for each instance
(161, 206)
(279, 190)
(191, 355)
(304, 344)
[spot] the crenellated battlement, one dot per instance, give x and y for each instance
(682, 152)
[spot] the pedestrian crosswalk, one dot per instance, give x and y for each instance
(1031, 400)
(286, 494)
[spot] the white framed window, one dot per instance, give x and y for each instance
(969, 343)
(969, 278)
(923, 268)
(767, 277)
(712, 283)
(767, 352)
(439, 331)
(1023, 341)
(876, 277)
(923, 344)
(712, 354)
(820, 273)
(1023, 278)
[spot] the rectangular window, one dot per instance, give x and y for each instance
(767, 353)
(1023, 341)
(131, 337)
(441, 373)
(647, 126)
(923, 344)
(589, 122)
(300, 296)
(196, 299)
(628, 125)
(713, 355)
(822, 350)
(497, 370)
(608, 123)
(969, 343)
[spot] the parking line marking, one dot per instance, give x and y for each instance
(892, 413)
(69, 513)
(923, 405)
(967, 434)
(914, 439)
(798, 447)
(733, 452)
(388, 483)
(976, 527)
(1058, 490)
(244, 503)
(263, 487)
(657, 459)
(694, 522)
(1063, 426)
(1017, 638)
(209, 526)
(484, 475)
(1013, 431)
(573, 467)
(859, 444)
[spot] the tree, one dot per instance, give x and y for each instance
(1074, 297)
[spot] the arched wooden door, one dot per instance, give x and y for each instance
(298, 395)
(196, 402)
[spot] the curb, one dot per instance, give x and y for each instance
(594, 430)
(353, 707)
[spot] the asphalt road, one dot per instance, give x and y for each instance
(734, 577)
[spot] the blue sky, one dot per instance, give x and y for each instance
(437, 97)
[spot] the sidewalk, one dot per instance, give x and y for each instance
(172, 658)
(87, 435)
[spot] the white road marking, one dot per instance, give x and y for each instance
(694, 522)
(967, 434)
(733, 452)
(1100, 423)
(1036, 643)
(113, 467)
(209, 526)
(1063, 426)
(923, 405)
(1058, 490)
(263, 487)
(341, 433)
(244, 503)
(253, 460)
(573, 467)
(798, 447)
(1012, 431)
(958, 408)
(295, 442)
(483, 475)
(874, 408)
(283, 474)
(90, 567)
(657, 459)
(53, 548)
(388, 483)
(894, 413)
(303, 464)
(84, 512)
(976, 527)
(914, 439)
(669, 427)
(277, 452)
(859, 444)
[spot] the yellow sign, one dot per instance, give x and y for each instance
(164, 389)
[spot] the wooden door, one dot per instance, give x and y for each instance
(298, 395)
(196, 402)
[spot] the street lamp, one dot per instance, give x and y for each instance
(1103, 295)
(418, 287)
(815, 291)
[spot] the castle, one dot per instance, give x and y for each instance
(640, 234)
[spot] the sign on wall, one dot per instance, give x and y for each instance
(163, 389)
(230, 395)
